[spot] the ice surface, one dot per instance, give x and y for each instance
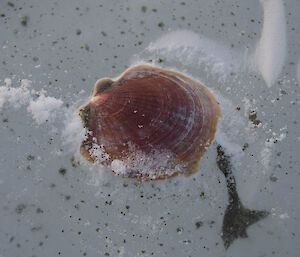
(91, 212)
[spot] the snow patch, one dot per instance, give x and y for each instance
(14, 96)
(271, 49)
(191, 49)
(266, 152)
(73, 132)
(44, 109)
(98, 152)
(230, 129)
(284, 216)
(7, 82)
(154, 165)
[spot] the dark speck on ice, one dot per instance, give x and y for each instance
(20, 207)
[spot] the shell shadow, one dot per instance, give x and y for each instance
(237, 218)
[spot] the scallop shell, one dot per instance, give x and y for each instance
(149, 124)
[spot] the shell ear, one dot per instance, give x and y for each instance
(85, 115)
(84, 151)
(102, 85)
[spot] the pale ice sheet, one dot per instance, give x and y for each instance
(272, 234)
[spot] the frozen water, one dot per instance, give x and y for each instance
(54, 203)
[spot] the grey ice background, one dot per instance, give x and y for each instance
(64, 48)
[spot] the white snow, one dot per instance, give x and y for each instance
(73, 132)
(284, 216)
(7, 82)
(271, 49)
(247, 106)
(119, 167)
(14, 96)
(230, 128)
(26, 83)
(98, 153)
(44, 108)
(266, 152)
(190, 48)
(151, 165)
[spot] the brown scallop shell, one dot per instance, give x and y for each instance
(150, 123)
